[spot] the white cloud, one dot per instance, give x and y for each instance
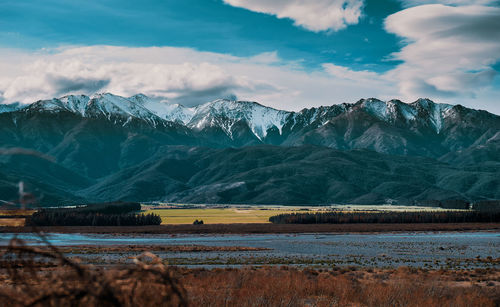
(349, 74)
(179, 75)
(191, 77)
(317, 15)
(410, 3)
(163, 72)
(450, 51)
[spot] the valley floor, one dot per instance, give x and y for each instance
(253, 265)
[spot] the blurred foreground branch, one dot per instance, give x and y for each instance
(43, 276)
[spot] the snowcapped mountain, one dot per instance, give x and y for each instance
(423, 110)
(220, 113)
(225, 113)
(112, 107)
(139, 148)
(422, 127)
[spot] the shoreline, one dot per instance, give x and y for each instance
(259, 228)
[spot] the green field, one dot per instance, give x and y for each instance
(217, 215)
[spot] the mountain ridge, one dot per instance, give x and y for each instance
(142, 107)
(242, 152)
(239, 123)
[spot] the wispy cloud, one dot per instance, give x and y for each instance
(163, 72)
(191, 77)
(318, 15)
(449, 50)
(179, 75)
(410, 3)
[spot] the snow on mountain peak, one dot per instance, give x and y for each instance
(388, 110)
(421, 109)
(163, 109)
(435, 112)
(225, 113)
(222, 112)
(75, 103)
(376, 107)
(110, 105)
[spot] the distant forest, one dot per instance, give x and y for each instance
(101, 214)
(387, 217)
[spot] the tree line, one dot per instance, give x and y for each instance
(75, 218)
(481, 205)
(335, 217)
(97, 214)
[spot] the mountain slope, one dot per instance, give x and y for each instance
(268, 175)
(107, 147)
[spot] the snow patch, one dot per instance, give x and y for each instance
(376, 107)
(225, 113)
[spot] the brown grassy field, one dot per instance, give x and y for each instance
(283, 286)
(260, 228)
(14, 217)
(16, 211)
(12, 222)
(341, 287)
(32, 276)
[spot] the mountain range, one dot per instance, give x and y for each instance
(105, 147)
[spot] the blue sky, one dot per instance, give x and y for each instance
(288, 54)
(203, 25)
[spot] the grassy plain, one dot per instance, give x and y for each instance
(235, 214)
(154, 285)
(16, 212)
(7, 216)
(217, 215)
(12, 222)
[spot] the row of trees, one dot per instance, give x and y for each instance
(486, 205)
(481, 205)
(387, 217)
(75, 218)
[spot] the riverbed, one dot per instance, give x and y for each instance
(417, 249)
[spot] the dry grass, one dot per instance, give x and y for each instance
(32, 276)
(268, 286)
(10, 222)
(45, 277)
(16, 211)
(8, 217)
(232, 215)
(294, 287)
